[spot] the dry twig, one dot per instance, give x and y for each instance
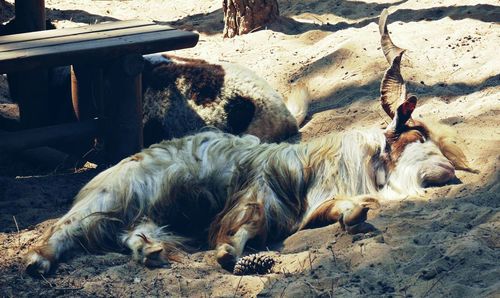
(283, 292)
(51, 285)
(237, 286)
(310, 261)
(18, 232)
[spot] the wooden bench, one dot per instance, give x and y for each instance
(106, 62)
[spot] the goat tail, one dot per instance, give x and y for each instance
(298, 103)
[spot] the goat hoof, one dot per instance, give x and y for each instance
(356, 216)
(225, 257)
(359, 213)
(37, 264)
(155, 256)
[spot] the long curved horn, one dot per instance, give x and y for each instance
(393, 91)
(393, 88)
(390, 50)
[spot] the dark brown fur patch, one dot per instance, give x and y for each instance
(397, 141)
(233, 217)
(190, 208)
(404, 139)
(240, 113)
(324, 215)
(204, 80)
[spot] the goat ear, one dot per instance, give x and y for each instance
(403, 114)
(406, 108)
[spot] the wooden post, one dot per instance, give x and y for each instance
(123, 107)
(30, 15)
(86, 91)
(30, 89)
(86, 96)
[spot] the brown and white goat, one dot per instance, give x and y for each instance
(232, 189)
(183, 95)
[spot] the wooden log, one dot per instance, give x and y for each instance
(48, 157)
(57, 134)
(123, 107)
(29, 89)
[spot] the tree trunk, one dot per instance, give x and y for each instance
(243, 16)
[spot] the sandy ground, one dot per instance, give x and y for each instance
(445, 243)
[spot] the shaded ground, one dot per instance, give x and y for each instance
(445, 243)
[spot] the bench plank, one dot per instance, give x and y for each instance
(114, 50)
(87, 37)
(95, 52)
(73, 31)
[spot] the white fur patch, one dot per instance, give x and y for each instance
(409, 175)
(41, 263)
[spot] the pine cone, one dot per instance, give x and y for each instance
(254, 264)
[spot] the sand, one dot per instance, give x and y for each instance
(444, 243)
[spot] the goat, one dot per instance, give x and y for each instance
(182, 95)
(232, 189)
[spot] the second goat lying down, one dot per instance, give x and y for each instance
(183, 95)
(232, 189)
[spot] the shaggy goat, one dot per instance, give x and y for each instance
(238, 189)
